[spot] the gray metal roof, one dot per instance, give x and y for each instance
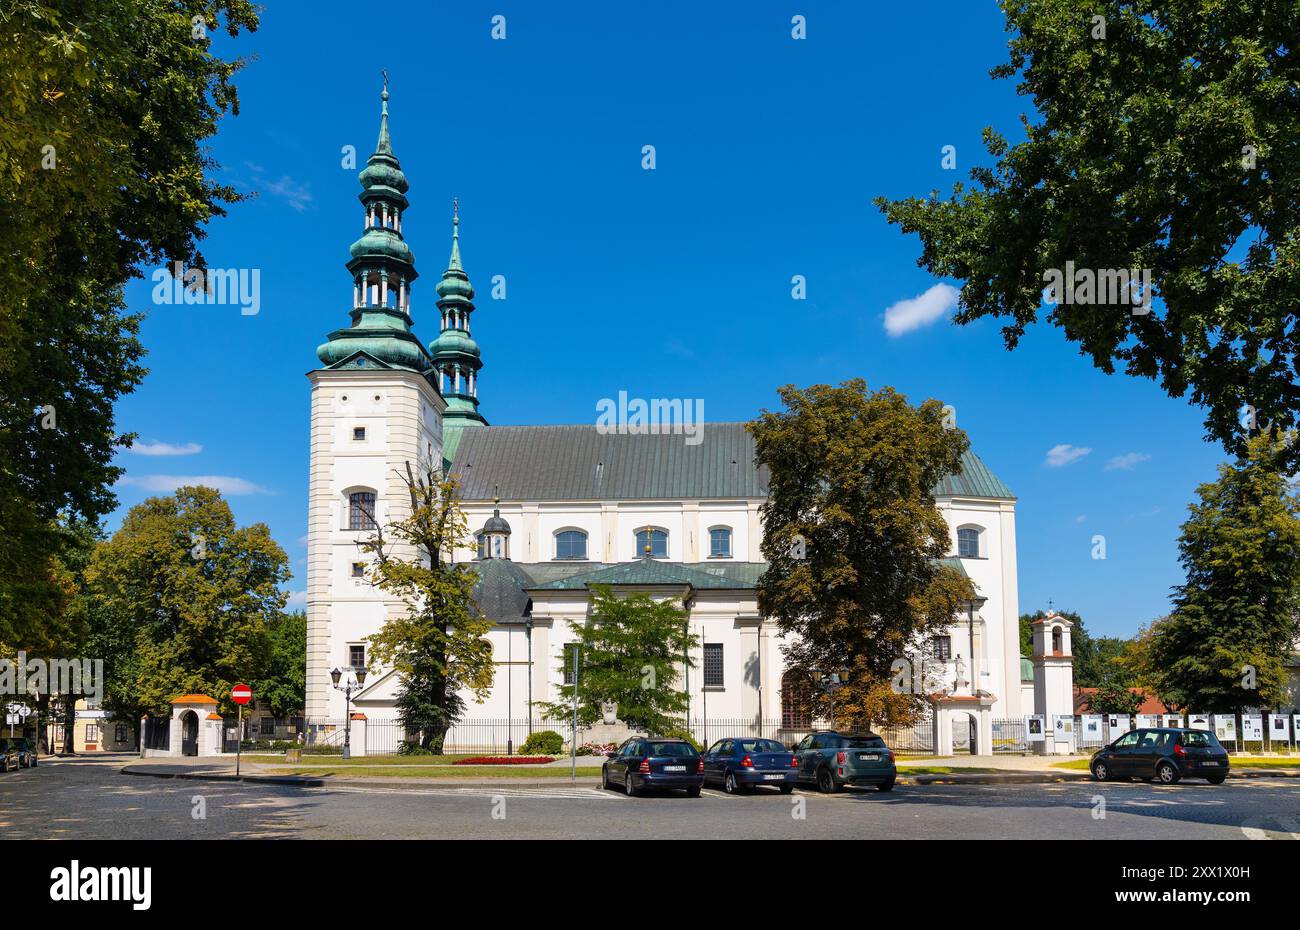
(549, 463)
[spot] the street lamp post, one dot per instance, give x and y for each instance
(356, 677)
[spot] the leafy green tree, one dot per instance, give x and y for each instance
(631, 653)
(438, 646)
(853, 539)
(191, 596)
(1163, 140)
(1237, 615)
(283, 690)
(104, 167)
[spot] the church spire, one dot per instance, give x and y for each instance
(382, 268)
(456, 357)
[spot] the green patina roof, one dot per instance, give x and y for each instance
(1026, 669)
(583, 463)
(654, 571)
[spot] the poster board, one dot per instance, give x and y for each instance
(1119, 724)
(1225, 727)
(1034, 728)
(1252, 727)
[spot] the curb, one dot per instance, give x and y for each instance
(1057, 775)
(298, 781)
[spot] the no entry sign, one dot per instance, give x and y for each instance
(241, 694)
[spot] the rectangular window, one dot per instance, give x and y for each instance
(720, 543)
(361, 511)
(358, 569)
(968, 544)
(713, 665)
(119, 733)
(92, 733)
(358, 433)
(943, 648)
(357, 656)
(268, 726)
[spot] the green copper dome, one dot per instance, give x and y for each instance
(453, 342)
(394, 348)
(382, 242)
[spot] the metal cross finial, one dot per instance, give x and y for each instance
(384, 72)
(1049, 605)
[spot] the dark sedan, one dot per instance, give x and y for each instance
(9, 758)
(743, 763)
(647, 762)
(1164, 754)
(26, 752)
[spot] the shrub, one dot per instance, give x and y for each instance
(322, 750)
(543, 742)
(408, 748)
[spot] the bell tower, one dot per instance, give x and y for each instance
(375, 408)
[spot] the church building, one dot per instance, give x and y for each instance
(558, 509)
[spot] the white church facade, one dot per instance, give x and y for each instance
(558, 509)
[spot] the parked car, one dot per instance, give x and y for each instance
(1165, 754)
(26, 752)
(831, 760)
(743, 763)
(8, 755)
(644, 762)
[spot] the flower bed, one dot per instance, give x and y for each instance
(504, 760)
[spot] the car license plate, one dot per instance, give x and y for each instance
(869, 756)
(1209, 763)
(778, 776)
(674, 768)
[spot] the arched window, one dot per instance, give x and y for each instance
(656, 539)
(796, 702)
(1056, 640)
(361, 510)
(720, 542)
(571, 544)
(968, 542)
(482, 545)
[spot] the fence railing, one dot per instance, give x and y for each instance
(498, 736)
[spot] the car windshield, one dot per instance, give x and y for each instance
(760, 745)
(1200, 739)
(862, 742)
(674, 750)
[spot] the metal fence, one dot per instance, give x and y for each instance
(157, 733)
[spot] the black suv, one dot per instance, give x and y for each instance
(1165, 754)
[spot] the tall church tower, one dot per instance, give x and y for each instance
(375, 407)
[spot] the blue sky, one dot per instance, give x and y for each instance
(667, 283)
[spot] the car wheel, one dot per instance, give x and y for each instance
(826, 781)
(604, 778)
(1167, 774)
(628, 789)
(692, 792)
(787, 789)
(886, 785)
(1101, 771)
(1216, 779)
(729, 783)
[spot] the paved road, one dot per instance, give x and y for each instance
(92, 799)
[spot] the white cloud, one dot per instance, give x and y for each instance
(165, 484)
(164, 448)
(1064, 454)
(916, 312)
(1081, 518)
(1127, 461)
(297, 601)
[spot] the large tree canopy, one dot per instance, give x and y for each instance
(1167, 137)
(107, 105)
(853, 538)
(185, 600)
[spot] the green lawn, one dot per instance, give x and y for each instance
(434, 771)
(368, 761)
(1237, 762)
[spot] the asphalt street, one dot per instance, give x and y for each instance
(92, 799)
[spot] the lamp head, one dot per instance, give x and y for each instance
(336, 674)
